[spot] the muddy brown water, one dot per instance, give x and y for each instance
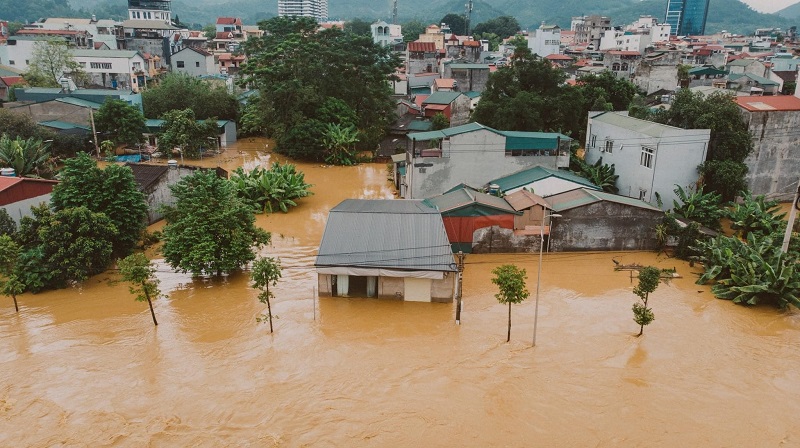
(85, 367)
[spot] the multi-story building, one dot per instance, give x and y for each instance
(317, 9)
(687, 17)
(590, 29)
(150, 10)
(545, 41)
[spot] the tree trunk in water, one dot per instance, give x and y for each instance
(269, 312)
(152, 313)
(16, 307)
(508, 338)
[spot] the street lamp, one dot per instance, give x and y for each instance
(539, 275)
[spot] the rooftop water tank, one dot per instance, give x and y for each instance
(172, 164)
(8, 172)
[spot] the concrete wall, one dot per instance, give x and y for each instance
(677, 154)
(460, 110)
(467, 80)
(497, 240)
(394, 287)
(473, 158)
(774, 164)
(55, 110)
(159, 194)
(23, 208)
(605, 226)
(194, 63)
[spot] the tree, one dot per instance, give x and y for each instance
(456, 22)
(340, 143)
(210, 31)
(293, 64)
(111, 191)
(182, 130)
(10, 285)
(266, 272)
(358, 26)
(7, 224)
(726, 177)
(599, 174)
(697, 205)
(137, 270)
(209, 231)
(269, 190)
(439, 121)
(510, 281)
(29, 157)
(179, 91)
(51, 59)
(503, 26)
(649, 277)
(755, 215)
(120, 122)
(412, 30)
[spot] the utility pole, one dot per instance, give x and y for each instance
(94, 132)
(394, 12)
(467, 16)
(792, 216)
(459, 279)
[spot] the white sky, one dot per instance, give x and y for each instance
(769, 5)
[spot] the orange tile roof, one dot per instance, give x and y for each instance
(769, 103)
(426, 47)
(558, 57)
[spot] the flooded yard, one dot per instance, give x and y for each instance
(86, 367)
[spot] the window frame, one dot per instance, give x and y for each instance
(647, 156)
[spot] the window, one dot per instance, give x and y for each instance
(609, 146)
(592, 141)
(646, 160)
(180, 64)
(10, 62)
(197, 64)
(100, 65)
(642, 194)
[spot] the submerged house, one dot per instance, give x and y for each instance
(386, 248)
(541, 180)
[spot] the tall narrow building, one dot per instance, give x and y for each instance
(160, 10)
(317, 9)
(687, 17)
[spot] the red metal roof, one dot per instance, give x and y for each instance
(426, 47)
(229, 21)
(472, 43)
(558, 57)
(769, 103)
(15, 189)
(436, 106)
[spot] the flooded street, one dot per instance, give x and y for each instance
(86, 367)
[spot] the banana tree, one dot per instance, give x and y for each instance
(29, 157)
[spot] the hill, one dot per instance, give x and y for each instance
(730, 15)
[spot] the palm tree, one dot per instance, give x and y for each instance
(28, 158)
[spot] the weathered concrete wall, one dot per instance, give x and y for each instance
(394, 287)
(460, 110)
(159, 194)
(605, 226)
(473, 158)
(774, 164)
(467, 80)
(22, 208)
(502, 241)
(443, 290)
(55, 110)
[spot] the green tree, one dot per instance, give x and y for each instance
(439, 121)
(510, 281)
(412, 30)
(699, 206)
(277, 188)
(340, 144)
(456, 22)
(294, 64)
(602, 175)
(209, 231)
(726, 177)
(111, 191)
(10, 285)
(210, 31)
(179, 91)
(503, 26)
(266, 272)
(649, 277)
(182, 130)
(7, 224)
(358, 26)
(29, 157)
(120, 122)
(137, 270)
(756, 215)
(51, 60)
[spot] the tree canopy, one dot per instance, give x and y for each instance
(303, 75)
(510, 281)
(209, 231)
(456, 22)
(179, 91)
(52, 59)
(503, 26)
(182, 130)
(120, 122)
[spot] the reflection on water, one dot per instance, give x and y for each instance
(86, 367)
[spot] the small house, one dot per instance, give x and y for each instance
(541, 180)
(19, 194)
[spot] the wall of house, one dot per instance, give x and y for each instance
(190, 60)
(443, 290)
(19, 209)
(498, 240)
(394, 287)
(774, 164)
(55, 110)
(530, 217)
(467, 80)
(473, 158)
(159, 194)
(460, 110)
(605, 226)
(677, 154)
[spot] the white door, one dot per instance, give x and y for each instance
(417, 289)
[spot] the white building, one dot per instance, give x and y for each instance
(650, 158)
(545, 41)
(385, 34)
(18, 51)
(193, 62)
(116, 69)
(102, 31)
(317, 9)
(160, 10)
(659, 32)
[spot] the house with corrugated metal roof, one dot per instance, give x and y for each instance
(19, 194)
(466, 212)
(650, 158)
(591, 220)
(474, 154)
(386, 248)
(454, 105)
(541, 181)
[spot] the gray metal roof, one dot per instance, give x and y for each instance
(386, 233)
(650, 128)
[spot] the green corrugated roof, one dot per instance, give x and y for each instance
(581, 197)
(79, 102)
(419, 125)
(441, 98)
(477, 203)
(426, 90)
(56, 124)
(472, 94)
(650, 128)
(700, 71)
(759, 79)
(6, 70)
(537, 173)
(469, 66)
(533, 140)
(464, 128)
(741, 62)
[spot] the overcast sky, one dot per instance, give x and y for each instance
(769, 5)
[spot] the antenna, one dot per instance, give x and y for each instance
(394, 12)
(467, 15)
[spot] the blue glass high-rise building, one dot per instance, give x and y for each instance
(687, 17)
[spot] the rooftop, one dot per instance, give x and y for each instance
(650, 128)
(464, 197)
(537, 173)
(769, 103)
(582, 196)
(442, 98)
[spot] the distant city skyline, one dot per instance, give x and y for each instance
(769, 5)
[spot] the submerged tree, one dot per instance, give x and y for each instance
(648, 282)
(266, 272)
(510, 281)
(10, 284)
(137, 270)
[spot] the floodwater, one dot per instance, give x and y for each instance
(85, 367)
